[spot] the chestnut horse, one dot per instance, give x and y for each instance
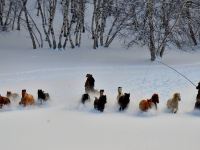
(26, 99)
(4, 101)
(144, 105)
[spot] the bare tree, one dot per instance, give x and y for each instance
(52, 10)
(24, 2)
(41, 11)
(2, 5)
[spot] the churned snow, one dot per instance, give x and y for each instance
(64, 123)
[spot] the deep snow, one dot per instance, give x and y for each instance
(64, 123)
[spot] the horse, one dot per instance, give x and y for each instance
(99, 103)
(124, 101)
(4, 101)
(27, 99)
(172, 104)
(12, 96)
(198, 95)
(42, 96)
(120, 93)
(89, 83)
(197, 103)
(85, 97)
(144, 105)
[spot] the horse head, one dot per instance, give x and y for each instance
(177, 96)
(23, 92)
(155, 98)
(126, 95)
(8, 93)
(119, 90)
(198, 87)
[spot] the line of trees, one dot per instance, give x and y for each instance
(153, 23)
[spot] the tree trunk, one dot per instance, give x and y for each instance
(7, 17)
(165, 21)
(19, 18)
(65, 5)
(150, 9)
(28, 24)
(1, 12)
(43, 24)
(192, 35)
(103, 21)
(41, 40)
(14, 18)
(52, 10)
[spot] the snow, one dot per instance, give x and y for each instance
(64, 123)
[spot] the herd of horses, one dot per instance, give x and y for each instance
(123, 99)
(26, 99)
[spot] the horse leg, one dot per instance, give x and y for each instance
(174, 110)
(120, 108)
(124, 107)
(156, 106)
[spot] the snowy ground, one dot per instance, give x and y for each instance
(65, 124)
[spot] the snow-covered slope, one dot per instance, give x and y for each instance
(64, 123)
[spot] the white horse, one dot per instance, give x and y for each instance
(12, 96)
(172, 104)
(120, 93)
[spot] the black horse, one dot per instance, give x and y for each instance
(42, 96)
(99, 104)
(124, 101)
(197, 104)
(198, 88)
(89, 83)
(85, 97)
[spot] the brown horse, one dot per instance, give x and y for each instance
(89, 83)
(144, 105)
(27, 99)
(4, 101)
